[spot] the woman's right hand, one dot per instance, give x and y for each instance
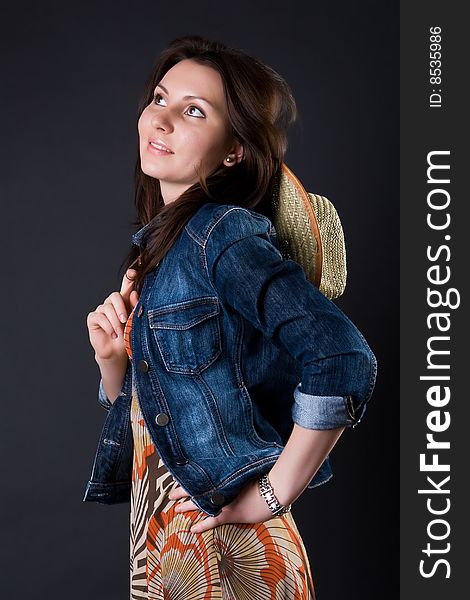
(106, 322)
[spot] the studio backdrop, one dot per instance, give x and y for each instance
(72, 77)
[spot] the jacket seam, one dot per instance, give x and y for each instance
(247, 468)
(203, 241)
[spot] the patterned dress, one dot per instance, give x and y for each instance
(233, 561)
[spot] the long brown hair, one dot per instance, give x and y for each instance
(260, 110)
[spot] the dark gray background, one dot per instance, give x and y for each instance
(72, 74)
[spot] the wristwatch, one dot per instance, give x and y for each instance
(267, 492)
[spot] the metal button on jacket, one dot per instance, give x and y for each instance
(143, 366)
(217, 498)
(162, 419)
(140, 311)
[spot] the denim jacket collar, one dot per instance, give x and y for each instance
(137, 236)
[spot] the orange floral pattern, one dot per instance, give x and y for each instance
(233, 561)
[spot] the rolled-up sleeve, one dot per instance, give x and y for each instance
(322, 412)
(250, 275)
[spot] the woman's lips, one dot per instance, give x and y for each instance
(157, 151)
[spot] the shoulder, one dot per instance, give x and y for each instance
(216, 226)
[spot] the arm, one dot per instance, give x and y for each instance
(339, 369)
(106, 331)
(303, 454)
(305, 451)
(252, 277)
(113, 372)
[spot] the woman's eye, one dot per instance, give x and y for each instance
(157, 96)
(200, 111)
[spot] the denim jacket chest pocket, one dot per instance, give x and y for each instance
(187, 334)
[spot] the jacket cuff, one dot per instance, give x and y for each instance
(322, 412)
(103, 399)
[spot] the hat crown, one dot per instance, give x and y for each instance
(309, 231)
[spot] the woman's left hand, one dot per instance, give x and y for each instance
(247, 507)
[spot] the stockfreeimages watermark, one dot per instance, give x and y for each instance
(441, 299)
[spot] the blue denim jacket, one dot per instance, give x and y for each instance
(231, 345)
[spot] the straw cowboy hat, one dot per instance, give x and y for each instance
(309, 231)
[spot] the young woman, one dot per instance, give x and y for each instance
(227, 376)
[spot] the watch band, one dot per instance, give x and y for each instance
(267, 492)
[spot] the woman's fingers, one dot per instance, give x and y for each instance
(188, 505)
(200, 526)
(134, 298)
(207, 523)
(98, 320)
(127, 286)
(109, 310)
(177, 493)
(120, 305)
(108, 319)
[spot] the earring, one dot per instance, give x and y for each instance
(228, 159)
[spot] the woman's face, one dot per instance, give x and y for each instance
(196, 129)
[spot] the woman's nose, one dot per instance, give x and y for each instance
(162, 120)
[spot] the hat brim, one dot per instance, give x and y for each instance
(296, 226)
(302, 220)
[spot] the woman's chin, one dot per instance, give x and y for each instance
(152, 170)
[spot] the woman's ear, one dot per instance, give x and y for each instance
(235, 155)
